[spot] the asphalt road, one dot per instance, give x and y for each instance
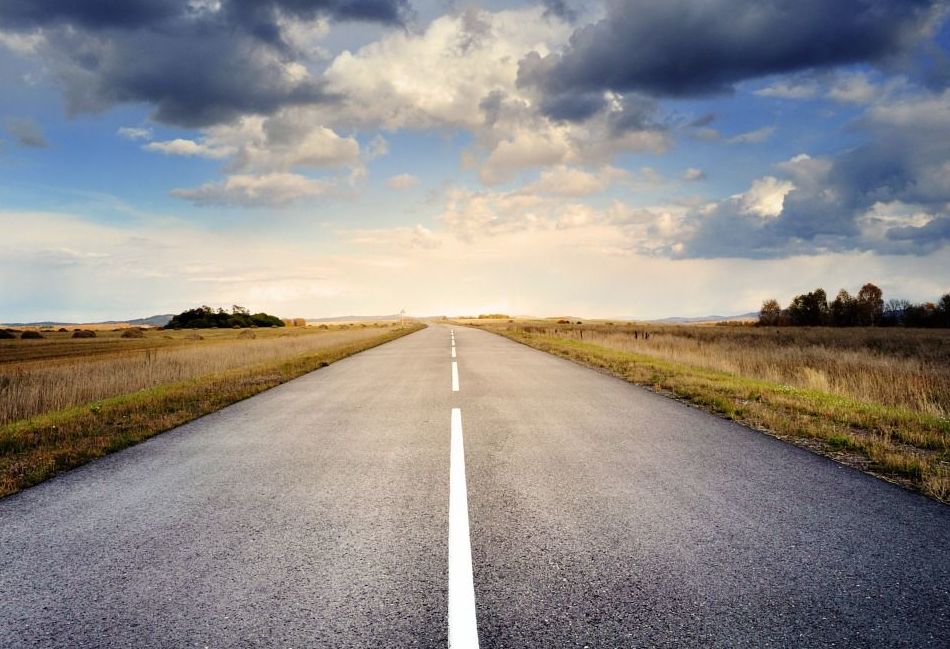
(599, 514)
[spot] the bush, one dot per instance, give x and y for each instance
(133, 332)
(32, 335)
(84, 333)
(62, 330)
(205, 317)
(6, 335)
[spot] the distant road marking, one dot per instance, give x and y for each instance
(453, 351)
(463, 628)
(455, 376)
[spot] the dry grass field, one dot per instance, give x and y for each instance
(66, 400)
(878, 399)
(38, 376)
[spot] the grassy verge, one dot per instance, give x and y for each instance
(902, 445)
(35, 449)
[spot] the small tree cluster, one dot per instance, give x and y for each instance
(866, 309)
(204, 317)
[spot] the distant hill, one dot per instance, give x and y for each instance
(151, 321)
(753, 315)
(358, 318)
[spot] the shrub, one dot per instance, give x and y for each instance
(31, 335)
(84, 333)
(6, 335)
(205, 317)
(62, 330)
(133, 332)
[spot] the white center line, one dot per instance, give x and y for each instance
(453, 351)
(455, 376)
(463, 628)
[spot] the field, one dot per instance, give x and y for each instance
(64, 400)
(877, 399)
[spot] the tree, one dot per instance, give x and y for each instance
(770, 313)
(843, 310)
(870, 306)
(809, 309)
(943, 311)
(894, 312)
(204, 317)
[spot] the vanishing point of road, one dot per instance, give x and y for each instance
(460, 489)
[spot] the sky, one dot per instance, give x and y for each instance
(617, 159)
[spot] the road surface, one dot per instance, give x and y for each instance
(581, 512)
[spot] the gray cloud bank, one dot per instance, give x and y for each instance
(681, 48)
(197, 63)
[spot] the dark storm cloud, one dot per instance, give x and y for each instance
(679, 48)
(573, 106)
(95, 15)
(250, 14)
(197, 64)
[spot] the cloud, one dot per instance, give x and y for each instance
(417, 237)
(693, 175)
(441, 76)
(188, 148)
(292, 138)
(681, 48)
(890, 195)
(269, 190)
(161, 267)
(402, 182)
(134, 133)
(757, 136)
(765, 197)
(460, 72)
(853, 88)
(790, 89)
(27, 133)
(196, 63)
(569, 181)
(845, 87)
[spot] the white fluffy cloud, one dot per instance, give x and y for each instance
(441, 76)
(461, 72)
(765, 197)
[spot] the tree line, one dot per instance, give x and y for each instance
(866, 309)
(204, 317)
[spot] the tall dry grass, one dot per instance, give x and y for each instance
(892, 367)
(30, 388)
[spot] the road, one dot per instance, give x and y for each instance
(322, 514)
